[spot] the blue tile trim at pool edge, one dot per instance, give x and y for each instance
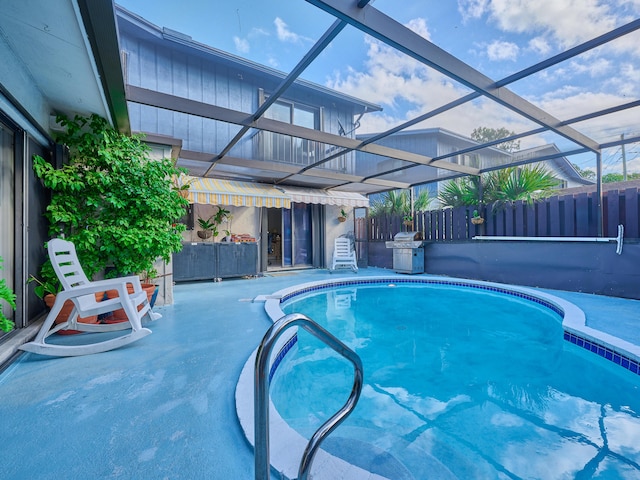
(281, 354)
(455, 283)
(604, 352)
(588, 344)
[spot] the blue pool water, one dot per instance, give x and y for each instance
(459, 383)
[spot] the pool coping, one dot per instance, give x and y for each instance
(286, 455)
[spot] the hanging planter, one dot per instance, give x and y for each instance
(476, 219)
(204, 234)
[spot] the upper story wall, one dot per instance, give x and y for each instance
(172, 63)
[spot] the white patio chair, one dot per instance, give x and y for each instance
(81, 291)
(344, 255)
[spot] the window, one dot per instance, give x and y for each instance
(7, 174)
(284, 148)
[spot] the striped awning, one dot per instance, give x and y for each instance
(326, 197)
(213, 191)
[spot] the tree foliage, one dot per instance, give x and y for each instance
(486, 134)
(588, 174)
(618, 177)
(398, 202)
(118, 206)
(499, 187)
(9, 297)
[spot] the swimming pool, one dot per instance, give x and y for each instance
(432, 403)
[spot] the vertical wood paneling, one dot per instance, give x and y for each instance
(489, 221)
(574, 216)
(593, 215)
(605, 213)
(499, 223)
(519, 226)
(554, 217)
(613, 214)
(531, 229)
(543, 230)
(582, 214)
(569, 222)
(631, 213)
(433, 225)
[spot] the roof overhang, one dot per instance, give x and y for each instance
(62, 57)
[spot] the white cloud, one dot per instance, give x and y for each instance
(395, 81)
(594, 68)
(242, 44)
(470, 9)
(285, 34)
(567, 22)
(539, 45)
(498, 50)
(419, 26)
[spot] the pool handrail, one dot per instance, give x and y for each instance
(261, 397)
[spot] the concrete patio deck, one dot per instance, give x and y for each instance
(164, 407)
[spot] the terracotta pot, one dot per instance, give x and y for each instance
(63, 316)
(118, 316)
(342, 219)
(477, 220)
(204, 234)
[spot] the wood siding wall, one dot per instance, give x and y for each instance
(559, 216)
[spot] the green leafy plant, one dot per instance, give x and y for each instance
(476, 214)
(398, 202)
(207, 224)
(9, 297)
(343, 213)
(211, 224)
(500, 187)
(118, 206)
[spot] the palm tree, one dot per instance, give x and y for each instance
(398, 202)
(499, 187)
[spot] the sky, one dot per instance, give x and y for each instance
(496, 37)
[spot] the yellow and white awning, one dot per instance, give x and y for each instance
(213, 191)
(325, 197)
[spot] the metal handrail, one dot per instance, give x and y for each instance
(261, 397)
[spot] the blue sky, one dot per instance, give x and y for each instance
(496, 37)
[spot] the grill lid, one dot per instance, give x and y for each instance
(407, 236)
(406, 240)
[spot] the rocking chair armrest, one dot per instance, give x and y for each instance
(119, 284)
(114, 282)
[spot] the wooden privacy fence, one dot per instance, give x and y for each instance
(559, 216)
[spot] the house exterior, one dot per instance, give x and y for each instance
(167, 62)
(52, 62)
(443, 144)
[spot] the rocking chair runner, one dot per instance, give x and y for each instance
(81, 291)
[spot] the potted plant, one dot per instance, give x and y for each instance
(407, 221)
(343, 216)
(9, 297)
(48, 287)
(208, 227)
(118, 206)
(476, 219)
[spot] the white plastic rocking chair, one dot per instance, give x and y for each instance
(344, 255)
(81, 291)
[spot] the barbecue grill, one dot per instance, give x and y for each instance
(408, 252)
